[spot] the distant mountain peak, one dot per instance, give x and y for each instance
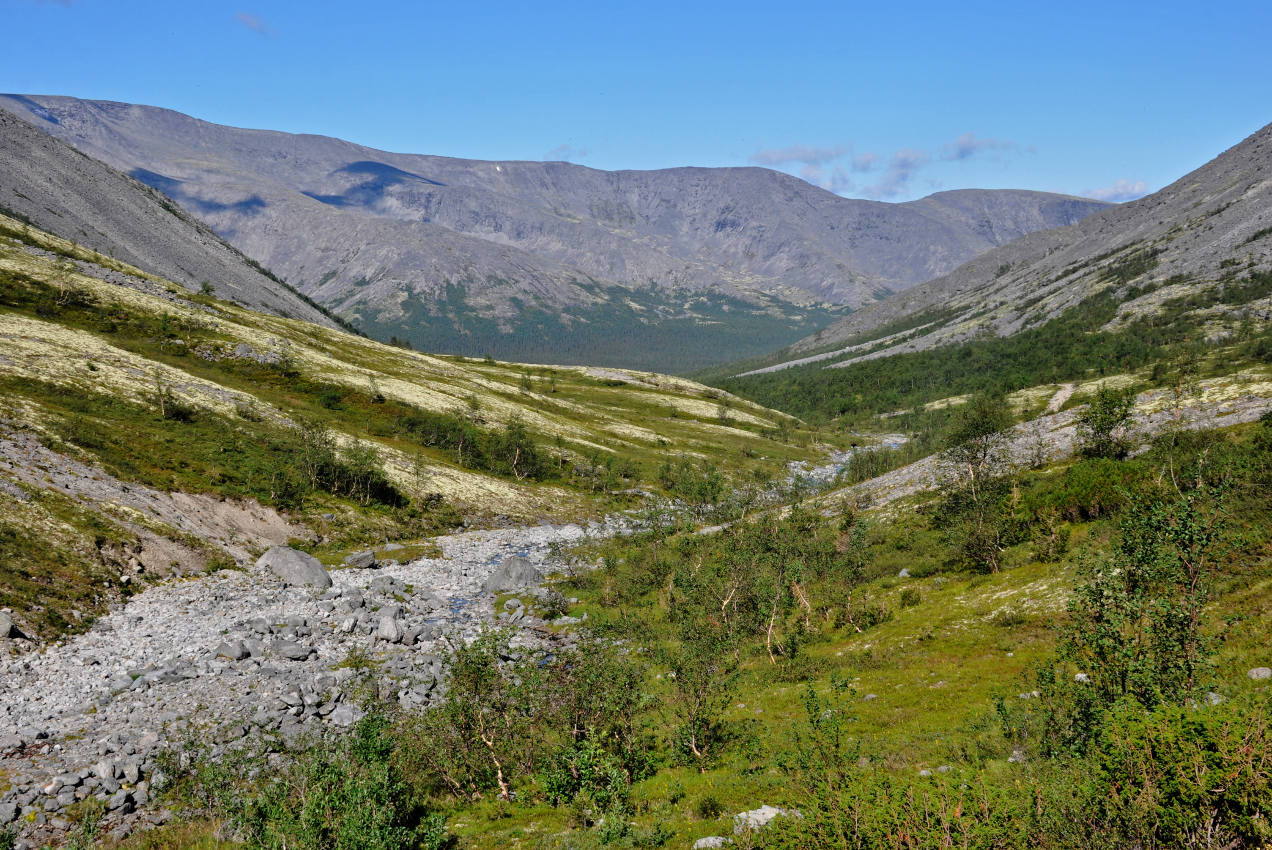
(370, 232)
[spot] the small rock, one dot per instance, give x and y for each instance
(389, 630)
(1017, 757)
(291, 651)
(904, 573)
(361, 560)
(344, 714)
(515, 573)
(711, 841)
(1258, 674)
(120, 801)
(1081, 677)
(8, 813)
(758, 818)
(8, 629)
(233, 650)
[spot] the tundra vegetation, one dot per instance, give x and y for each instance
(1083, 685)
(1047, 654)
(182, 392)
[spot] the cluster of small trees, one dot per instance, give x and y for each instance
(979, 505)
(311, 461)
(568, 722)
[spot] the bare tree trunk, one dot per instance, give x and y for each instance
(504, 791)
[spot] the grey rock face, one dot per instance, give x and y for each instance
(78, 198)
(295, 567)
(1212, 215)
(515, 573)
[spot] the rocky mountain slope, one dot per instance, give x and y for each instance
(477, 257)
(1210, 227)
(111, 379)
(52, 185)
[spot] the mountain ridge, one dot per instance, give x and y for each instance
(56, 187)
(1204, 227)
(380, 236)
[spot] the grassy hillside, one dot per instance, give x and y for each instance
(1035, 653)
(869, 672)
(184, 393)
(1091, 340)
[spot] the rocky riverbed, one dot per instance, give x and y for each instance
(240, 652)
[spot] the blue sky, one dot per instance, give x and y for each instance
(888, 101)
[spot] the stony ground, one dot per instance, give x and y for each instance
(1054, 436)
(239, 652)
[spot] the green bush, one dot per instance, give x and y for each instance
(344, 791)
(1102, 427)
(1094, 488)
(709, 808)
(1186, 776)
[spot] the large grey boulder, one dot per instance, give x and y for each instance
(295, 568)
(515, 573)
(389, 630)
(8, 628)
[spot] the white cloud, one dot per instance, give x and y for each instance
(1122, 190)
(829, 166)
(253, 22)
(805, 154)
(902, 167)
(565, 153)
(832, 179)
(969, 145)
(864, 161)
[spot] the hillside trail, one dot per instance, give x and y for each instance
(1062, 395)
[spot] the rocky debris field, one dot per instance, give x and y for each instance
(1054, 436)
(269, 649)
